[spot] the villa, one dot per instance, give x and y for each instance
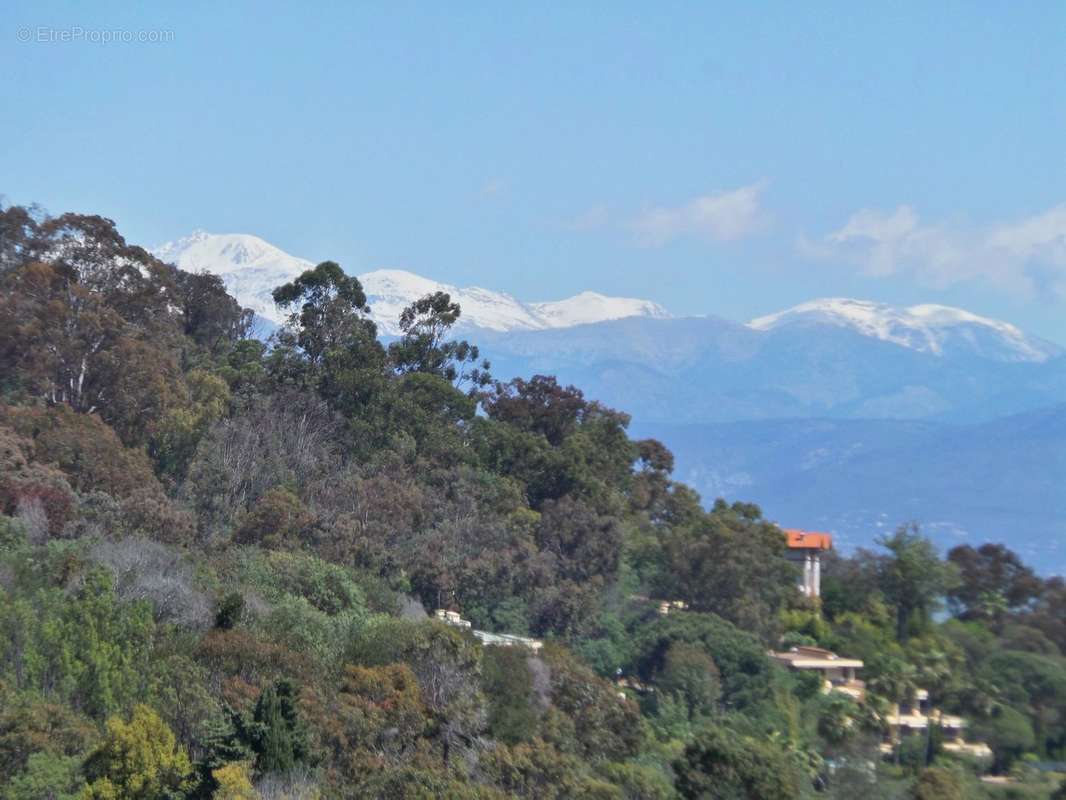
(837, 673)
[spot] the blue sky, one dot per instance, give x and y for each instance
(729, 159)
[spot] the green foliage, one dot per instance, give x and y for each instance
(740, 658)
(12, 536)
(839, 718)
(913, 578)
(328, 587)
(84, 647)
(691, 675)
(638, 781)
(178, 434)
(600, 723)
(276, 734)
(230, 611)
(509, 686)
(46, 776)
(1009, 733)
(296, 624)
(425, 348)
(324, 310)
(718, 764)
(732, 563)
(992, 581)
(234, 782)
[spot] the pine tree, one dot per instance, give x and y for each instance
(279, 738)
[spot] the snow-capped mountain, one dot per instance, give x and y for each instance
(934, 329)
(389, 291)
(589, 307)
(252, 268)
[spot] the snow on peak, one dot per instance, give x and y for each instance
(927, 328)
(252, 268)
(587, 307)
(389, 291)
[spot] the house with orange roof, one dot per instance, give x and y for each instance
(805, 548)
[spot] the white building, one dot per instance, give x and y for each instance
(454, 619)
(837, 673)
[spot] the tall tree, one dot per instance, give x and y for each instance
(425, 346)
(326, 308)
(277, 735)
(992, 580)
(913, 578)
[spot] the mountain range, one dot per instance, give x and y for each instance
(252, 268)
(839, 414)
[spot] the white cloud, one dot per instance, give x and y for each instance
(1028, 255)
(593, 219)
(720, 217)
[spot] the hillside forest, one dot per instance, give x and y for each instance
(221, 558)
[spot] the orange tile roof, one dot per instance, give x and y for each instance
(808, 540)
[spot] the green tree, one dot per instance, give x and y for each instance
(326, 309)
(47, 776)
(1009, 734)
(732, 562)
(691, 675)
(277, 735)
(992, 581)
(230, 611)
(425, 347)
(913, 578)
(720, 765)
(509, 688)
(741, 659)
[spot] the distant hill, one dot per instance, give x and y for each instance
(1003, 480)
(705, 369)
